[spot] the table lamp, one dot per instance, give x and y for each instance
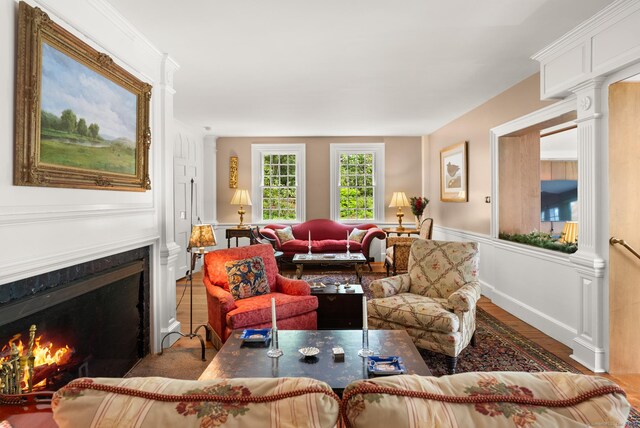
(569, 233)
(241, 197)
(399, 199)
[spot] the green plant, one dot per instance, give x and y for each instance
(540, 239)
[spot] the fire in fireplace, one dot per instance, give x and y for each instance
(38, 363)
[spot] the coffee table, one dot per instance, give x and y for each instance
(236, 360)
(355, 259)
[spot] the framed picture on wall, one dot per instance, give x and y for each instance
(82, 121)
(453, 173)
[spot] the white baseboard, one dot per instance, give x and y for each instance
(549, 325)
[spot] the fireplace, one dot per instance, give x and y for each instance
(98, 309)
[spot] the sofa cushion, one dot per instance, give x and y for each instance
(413, 310)
(257, 310)
(160, 402)
(583, 401)
(438, 268)
(357, 235)
(284, 235)
(247, 277)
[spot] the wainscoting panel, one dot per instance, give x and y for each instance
(538, 286)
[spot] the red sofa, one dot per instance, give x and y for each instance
(295, 306)
(327, 236)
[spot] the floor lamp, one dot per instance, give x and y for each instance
(202, 236)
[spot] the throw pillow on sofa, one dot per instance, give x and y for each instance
(247, 277)
(357, 235)
(285, 234)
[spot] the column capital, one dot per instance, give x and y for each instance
(588, 85)
(169, 66)
(589, 99)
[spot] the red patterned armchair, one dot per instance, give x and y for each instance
(295, 306)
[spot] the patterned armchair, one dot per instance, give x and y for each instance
(435, 302)
(396, 255)
(295, 306)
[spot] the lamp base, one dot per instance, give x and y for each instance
(400, 214)
(189, 336)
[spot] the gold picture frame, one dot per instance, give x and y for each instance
(233, 172)
(453, 173)
(82, 121)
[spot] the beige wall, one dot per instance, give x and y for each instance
(403, 170)
(474, 126)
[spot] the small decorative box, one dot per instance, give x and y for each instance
(338, 353)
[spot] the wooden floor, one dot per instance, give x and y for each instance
(630, 383)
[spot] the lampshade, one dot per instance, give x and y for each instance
(241, 197)
(202, 236)
(399, 199)
(569, 232)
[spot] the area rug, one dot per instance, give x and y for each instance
(177, 363)
(499, 347)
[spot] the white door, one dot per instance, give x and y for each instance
(184, 170)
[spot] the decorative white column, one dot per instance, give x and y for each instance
(210, 155)
(164, 309)
(589, 345)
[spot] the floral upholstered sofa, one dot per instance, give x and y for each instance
(493, 399)
(327, 236)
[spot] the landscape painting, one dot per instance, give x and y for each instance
(86, 121)
(453, 173)
(82, 120)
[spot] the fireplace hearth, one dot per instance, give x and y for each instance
(98, 309)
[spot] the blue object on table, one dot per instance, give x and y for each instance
(387, 365)
(260, 335)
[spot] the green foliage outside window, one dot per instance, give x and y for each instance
(357, 188)
(279, 191)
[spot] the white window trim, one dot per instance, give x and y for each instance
(378, 180)
(257, 152)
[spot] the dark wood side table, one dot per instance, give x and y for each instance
(406, 231)
(339, 308)
(237, 232)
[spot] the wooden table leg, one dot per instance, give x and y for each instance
(299, 270)
(359, 271)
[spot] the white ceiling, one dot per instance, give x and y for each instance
(346, 67)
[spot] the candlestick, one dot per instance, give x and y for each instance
(348, 244)
(274, 351)
(309, 242)
(273, 313)
(365, 321)
(365, 351)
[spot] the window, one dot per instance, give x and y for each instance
(278, 182)
(357, 182)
